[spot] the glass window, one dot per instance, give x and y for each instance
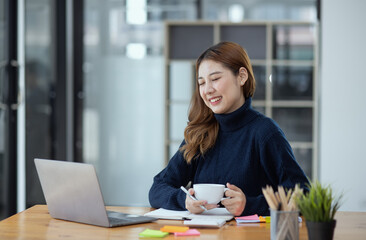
(182, 77)
(304, 158)
(40, 84)
(297, 123)
(179, 119)
(124, 94)
(252, 38)
(3, 35)
(3, 47)
(196, 37)
(260, 80)
(293, 42)
(292, 83)
(239, 10)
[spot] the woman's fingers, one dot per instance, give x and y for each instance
(236, 202)
(194, 206)
(211, 206)
(233, 190)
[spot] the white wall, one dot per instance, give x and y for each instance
(343, 100)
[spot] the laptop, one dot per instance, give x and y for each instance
(72, 193)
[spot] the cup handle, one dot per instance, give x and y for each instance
(224, 194)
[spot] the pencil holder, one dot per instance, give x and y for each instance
(284, 225)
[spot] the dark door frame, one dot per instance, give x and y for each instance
(11, 102)
(78, 76)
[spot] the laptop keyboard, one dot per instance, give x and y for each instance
(117, 221)
(121, 219)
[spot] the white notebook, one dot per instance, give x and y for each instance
(205, 223)
(216, 213)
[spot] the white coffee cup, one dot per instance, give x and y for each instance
(212, 193)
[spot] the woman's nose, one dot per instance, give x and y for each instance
(208, 88)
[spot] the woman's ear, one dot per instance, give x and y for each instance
(243, 75)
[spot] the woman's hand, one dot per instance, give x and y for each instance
(195, 206)
(235, 204)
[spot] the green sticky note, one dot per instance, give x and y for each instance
(153, 233)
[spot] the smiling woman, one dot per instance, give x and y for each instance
(221, 90)
(225, 78)
(226, 141)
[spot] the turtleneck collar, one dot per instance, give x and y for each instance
(236, 119)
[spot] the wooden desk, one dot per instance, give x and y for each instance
(36, 223)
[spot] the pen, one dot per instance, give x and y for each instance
(185, 190)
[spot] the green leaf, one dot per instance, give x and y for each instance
(319, 204)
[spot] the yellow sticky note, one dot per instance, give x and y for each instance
(153, 233)
(173, 229)
(262, 219)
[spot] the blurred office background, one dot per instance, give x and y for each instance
(84, 81)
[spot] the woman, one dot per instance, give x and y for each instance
(226, 141)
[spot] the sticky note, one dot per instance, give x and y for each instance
(190, 232)
(262, 219)
(153, 233)
(249, 218)
(173, 229)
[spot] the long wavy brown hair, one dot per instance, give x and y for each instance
(202, 129)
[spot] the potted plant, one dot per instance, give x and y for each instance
(318, 206)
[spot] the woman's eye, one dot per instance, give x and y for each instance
(201, 83)
(215, 79)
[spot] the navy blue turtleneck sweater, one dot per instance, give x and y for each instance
(250, 152)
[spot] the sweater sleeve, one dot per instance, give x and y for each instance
(256, 205)
(280, 167)
(165, 191)
(279, 162)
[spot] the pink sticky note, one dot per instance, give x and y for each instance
(190, 232)
(251, 217)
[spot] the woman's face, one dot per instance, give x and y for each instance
(219, 88)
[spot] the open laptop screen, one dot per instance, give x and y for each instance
(72, 192)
